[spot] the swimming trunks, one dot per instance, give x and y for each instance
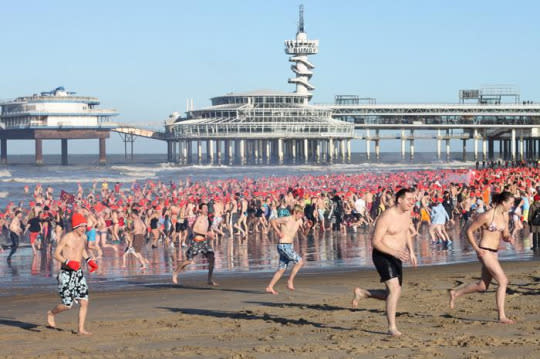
(387, 266)
(91, 235)
(72, 286)
(199, 247)
(138, 242)
(287, 255)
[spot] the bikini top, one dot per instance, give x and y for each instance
(492, 227)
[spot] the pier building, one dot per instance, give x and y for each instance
(54, 115)
(264, 126)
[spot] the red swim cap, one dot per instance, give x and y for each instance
(77, 220)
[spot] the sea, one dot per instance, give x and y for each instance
(234, 256)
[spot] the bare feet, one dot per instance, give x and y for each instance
(358, 293)
(506, 321)
(212, 283)
(394, 332)
(175, 278)
(290, 286)
(50, 319)
(271, 291)
(83, 332)
(452, 295)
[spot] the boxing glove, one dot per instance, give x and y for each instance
(92, 264)
(73, 265)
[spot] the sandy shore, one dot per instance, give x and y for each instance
(238, 320)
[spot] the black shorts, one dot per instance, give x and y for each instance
(181, 226)
(387, 266)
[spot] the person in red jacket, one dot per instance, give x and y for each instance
(72, 287)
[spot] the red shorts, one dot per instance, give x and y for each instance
(33, 236)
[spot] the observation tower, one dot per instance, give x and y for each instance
(300, 49)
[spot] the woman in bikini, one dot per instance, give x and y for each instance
(494, 226)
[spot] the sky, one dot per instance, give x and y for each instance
(146, 58)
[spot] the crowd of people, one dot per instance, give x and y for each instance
(188, 216)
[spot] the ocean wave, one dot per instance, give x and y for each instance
(5, 173)
(3, 194)
(86, 179)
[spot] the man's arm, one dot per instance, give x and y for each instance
(276, 224)
(410, 247)
(58, 251)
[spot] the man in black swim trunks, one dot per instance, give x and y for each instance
(392, 244)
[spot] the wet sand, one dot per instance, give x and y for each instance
(238, 320)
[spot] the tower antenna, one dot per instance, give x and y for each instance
(301, 19)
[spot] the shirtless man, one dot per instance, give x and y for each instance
(199, 244)
(15, 232)
(392, 244)
(137, 242)
(72, 287)
(286, 228)
(218, 217)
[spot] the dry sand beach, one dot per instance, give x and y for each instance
(238, 320)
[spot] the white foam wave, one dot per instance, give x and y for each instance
(5, 173)
(47, 180)
(3, 194)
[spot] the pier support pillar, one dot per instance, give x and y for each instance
(475, 137)
(448, 154)
(367, 144)
(317, 151)
(377, 145)
(439, 144)
(403, 144)
(170, 151)
(513, 145)
(268, 151)
(257, 153)
(102, 151)
(219, 155)
(343, 154)
(484, 147)
(189, 152)
(39, 151)
(280, 151)
(306, 150)
(411, 146)
(348, 150)
(3, 151)
(521, 148)
(464, 150)
(242, 152)
(330, 150)
(210, 151)
(64, 151)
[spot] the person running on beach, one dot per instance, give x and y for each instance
(15, 232)
(286, 228)
(392, 245)
(199, 244)
(72, 287)
(494, 225)
(137, 240)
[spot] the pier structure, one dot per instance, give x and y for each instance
(54, 115)
(514, 127)
(275, 127)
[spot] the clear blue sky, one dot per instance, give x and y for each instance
(145, 58)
